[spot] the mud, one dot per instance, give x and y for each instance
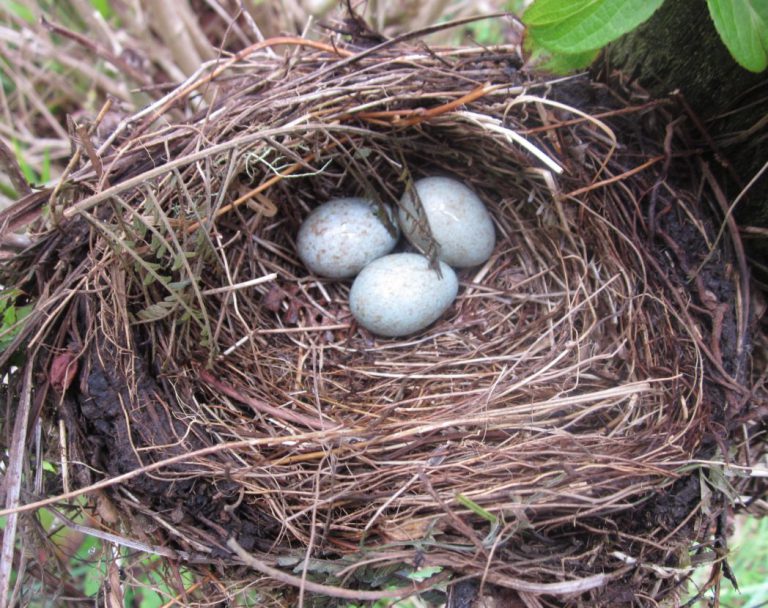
(123, 418)
(129, 426)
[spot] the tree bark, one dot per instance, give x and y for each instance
(678, 49)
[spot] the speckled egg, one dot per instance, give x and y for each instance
(460, 223)
(400, 294)
(340, 237)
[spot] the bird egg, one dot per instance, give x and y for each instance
(342, 236)
(458, 219)
(400, 294)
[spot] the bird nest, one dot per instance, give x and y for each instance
(548, 435)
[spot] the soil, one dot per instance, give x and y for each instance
(105, 393)
(115, 436)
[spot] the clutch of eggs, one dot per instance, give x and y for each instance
(399, 294)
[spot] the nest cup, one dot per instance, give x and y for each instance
(539, 435)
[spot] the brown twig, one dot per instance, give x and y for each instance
(616, 178)
(86, 142)
(409, 118)
(327, 590)
(255, 192)
(261, 407)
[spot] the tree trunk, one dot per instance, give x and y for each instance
(679, 49)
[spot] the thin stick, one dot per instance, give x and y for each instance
(418, 116)
(99, 51)
(261, 406)
(616, 178)
(327, 590)
(86, 142)
(114, 538)
(92, 201)
(494, 125)
(227, 288)
(13, 482)
(178, 94)
(176, 601)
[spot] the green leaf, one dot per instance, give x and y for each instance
(45, 173)
(578, 26)
(21, 11)
(476, 508)
(179, 258)
(319, 566)
(29, 173)
(156, 312)
(547, 12)
(563, 63)
(11, 316)
(743, 27)
(140, 227)
(557, 63)
(158, 245)
(8, 192)
(177, 285)
(424, 573)
(104, 7)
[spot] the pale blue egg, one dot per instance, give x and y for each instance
(458, 219)
(399, 294)
(340, 237)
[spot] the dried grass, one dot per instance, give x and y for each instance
(548, 435)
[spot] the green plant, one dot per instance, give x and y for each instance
(747, 560)
(32, 176)
(87, 559)
(743, 27)
(11, 316)
(104, 7)
(20, 10)
(571, 32)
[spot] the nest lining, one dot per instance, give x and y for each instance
(529, 436)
